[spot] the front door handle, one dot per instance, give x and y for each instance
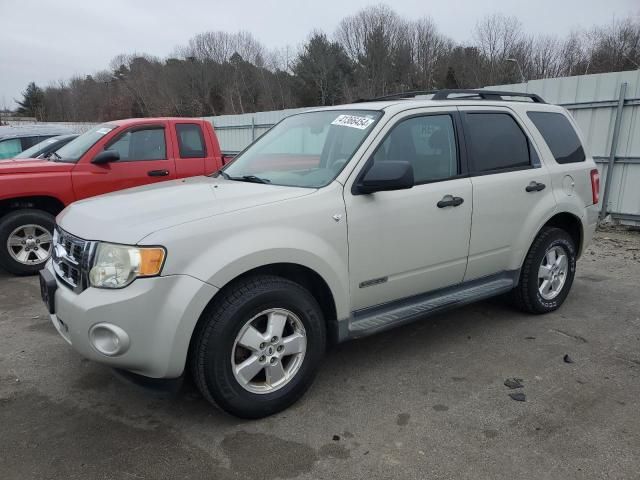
(158, 173)
(450, 201)
(535, 187)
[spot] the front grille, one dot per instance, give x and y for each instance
(71, 259)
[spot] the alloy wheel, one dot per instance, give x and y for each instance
(553, 272)
(30, 244)
(269, 350)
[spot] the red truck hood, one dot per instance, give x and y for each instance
(27, 165)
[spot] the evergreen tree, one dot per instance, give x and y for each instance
(32, 104)
(451, 81)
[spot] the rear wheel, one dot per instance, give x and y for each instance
(258, 346)
(547, 273)
(26, 241)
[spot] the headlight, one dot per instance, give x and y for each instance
(116, 266)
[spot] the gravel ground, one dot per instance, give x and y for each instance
(424, 401)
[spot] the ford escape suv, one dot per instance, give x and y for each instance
(337, 223)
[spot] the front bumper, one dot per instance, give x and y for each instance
(158, 315)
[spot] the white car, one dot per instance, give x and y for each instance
(337, 223)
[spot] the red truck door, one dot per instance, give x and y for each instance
(145, 157)
(192, 152)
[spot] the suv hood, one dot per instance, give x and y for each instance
(127, 216)
(32, 165)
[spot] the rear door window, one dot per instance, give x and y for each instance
(496, 142)
(191, 141)
(560, 136)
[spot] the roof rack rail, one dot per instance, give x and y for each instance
(485, 95)
(408, 94)
(460, 94)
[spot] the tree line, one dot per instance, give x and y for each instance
(372, 53)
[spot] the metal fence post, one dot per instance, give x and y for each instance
(253, 128)
(612, 151)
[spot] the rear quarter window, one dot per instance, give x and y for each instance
(560, 136)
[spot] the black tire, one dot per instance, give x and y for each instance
(14, 220)
(213, 340)
(526, 296)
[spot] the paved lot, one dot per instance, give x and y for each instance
(424, 401)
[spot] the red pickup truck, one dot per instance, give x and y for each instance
(111, 156)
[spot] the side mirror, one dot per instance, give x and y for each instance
(387, 175)
(106, 156)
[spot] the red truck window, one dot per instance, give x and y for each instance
(191, 141)
(140, 144)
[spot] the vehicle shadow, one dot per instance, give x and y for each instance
(355, 364)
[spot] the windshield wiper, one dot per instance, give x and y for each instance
(243, 178)
(251, 178)
(58, 157)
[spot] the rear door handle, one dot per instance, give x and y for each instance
(158, 173)
(535, 187)
(450, 201)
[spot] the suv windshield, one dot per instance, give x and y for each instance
(77, 147)
(304, 150)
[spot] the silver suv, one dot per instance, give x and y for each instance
(338, 223)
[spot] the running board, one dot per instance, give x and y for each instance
(389, 315)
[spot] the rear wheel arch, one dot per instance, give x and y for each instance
(571, 224)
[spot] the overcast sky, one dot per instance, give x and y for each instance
(45, 41)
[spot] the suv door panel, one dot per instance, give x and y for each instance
(401, 242)
(504, 212)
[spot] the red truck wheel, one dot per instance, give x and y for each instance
(26, 241)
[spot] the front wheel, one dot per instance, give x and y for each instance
(547, 273)
(26, 241)
(258, 346)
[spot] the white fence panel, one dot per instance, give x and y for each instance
(76, 127)
(593, 102)
(235, 132)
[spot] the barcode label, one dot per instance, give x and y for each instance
(353, 121)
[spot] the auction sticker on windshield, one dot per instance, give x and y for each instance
(353, 121)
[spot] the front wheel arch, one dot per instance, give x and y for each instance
(302, 275)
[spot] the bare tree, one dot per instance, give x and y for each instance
(498, 38)
(372, 38)
(616, 46)
(373, 52)
(428, 48)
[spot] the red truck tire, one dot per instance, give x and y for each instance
(26, 240)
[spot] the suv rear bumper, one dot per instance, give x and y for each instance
(153, 317)
(591, 223)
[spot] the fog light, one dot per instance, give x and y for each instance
(109, 340)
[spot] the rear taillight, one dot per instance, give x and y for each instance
(595, 185)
